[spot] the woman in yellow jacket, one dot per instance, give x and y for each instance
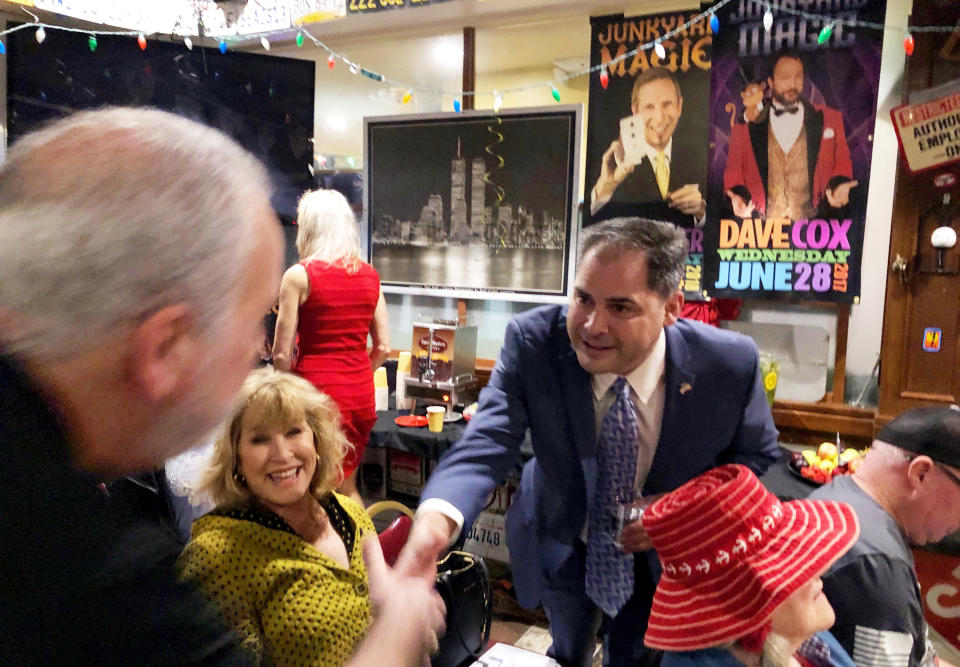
(281, 553)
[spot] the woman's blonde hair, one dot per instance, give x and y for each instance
(271, 397)
(327, 229)
(776, 652)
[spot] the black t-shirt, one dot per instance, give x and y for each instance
(873, 587)
(84, 580)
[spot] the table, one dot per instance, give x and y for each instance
(420, 440)
(784, 484)
(416, 440)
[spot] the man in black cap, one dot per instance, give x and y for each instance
(906, 492)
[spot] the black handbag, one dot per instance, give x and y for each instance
(464, 584)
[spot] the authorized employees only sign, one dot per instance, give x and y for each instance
(929, 133)
(369, 6)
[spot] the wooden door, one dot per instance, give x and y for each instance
(923, 305)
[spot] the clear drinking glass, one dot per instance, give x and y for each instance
(629, 510)
(770, 374)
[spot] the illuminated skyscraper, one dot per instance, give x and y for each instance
(478, 191)
(458, 195)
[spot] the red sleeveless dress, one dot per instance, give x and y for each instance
(332, 329)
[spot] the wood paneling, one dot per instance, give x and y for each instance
(909, 376)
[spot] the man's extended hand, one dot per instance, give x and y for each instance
(428, 537)
(612, 174)
(408, 615)
(839, 195)
(741, 208)
(633, 538)
(688, 200)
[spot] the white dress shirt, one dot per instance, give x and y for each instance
(648, 392)
(787, 126)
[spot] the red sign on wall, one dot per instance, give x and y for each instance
(929, 133)
(939, 577)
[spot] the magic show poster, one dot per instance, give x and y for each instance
(683, 83)
(791, 137)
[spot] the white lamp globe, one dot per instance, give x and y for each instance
(943, 237)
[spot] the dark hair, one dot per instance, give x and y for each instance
(792, 55)
(663, 245)
(654, 74)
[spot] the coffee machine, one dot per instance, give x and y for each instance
(443, 355)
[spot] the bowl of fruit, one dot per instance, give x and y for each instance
(819, 466)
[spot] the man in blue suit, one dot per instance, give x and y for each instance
(698, 403)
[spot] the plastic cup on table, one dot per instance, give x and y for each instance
(404, 404)
(435, 415)
(381, 392)
(403, 362)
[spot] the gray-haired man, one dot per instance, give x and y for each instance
(138, 253)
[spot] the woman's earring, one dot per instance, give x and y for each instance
(239, 478)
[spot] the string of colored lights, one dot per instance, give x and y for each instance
(656, 45)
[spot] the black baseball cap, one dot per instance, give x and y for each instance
(934, 432)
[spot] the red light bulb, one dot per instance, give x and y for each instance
(908, 44)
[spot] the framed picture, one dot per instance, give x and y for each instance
(473, 205)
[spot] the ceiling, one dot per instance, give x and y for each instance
(548, 30)
(454, 16)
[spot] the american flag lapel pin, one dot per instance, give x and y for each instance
(685, 387)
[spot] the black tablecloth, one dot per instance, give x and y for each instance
(417, 440)
(420, 440)
(784, 484)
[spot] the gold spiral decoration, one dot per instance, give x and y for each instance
(490, 149)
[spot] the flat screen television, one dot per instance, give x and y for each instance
(264, 102)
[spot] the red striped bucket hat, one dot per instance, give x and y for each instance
(731, 553)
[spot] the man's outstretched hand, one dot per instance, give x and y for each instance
(612, 174)
(408, 615)
(429, 537)
(688, 200)
(839, 195)
(741, 208)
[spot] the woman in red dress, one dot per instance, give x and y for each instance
(329, 302)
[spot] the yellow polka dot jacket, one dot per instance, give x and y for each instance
(290, 604)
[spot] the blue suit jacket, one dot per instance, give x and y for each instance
(715, 412)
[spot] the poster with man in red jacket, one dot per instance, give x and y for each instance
(793, 105)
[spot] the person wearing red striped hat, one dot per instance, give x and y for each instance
(741, 574)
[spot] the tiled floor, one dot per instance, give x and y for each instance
(517, 626)
(532, 637)
(510, 632)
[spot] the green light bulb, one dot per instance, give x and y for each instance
(825, 33)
